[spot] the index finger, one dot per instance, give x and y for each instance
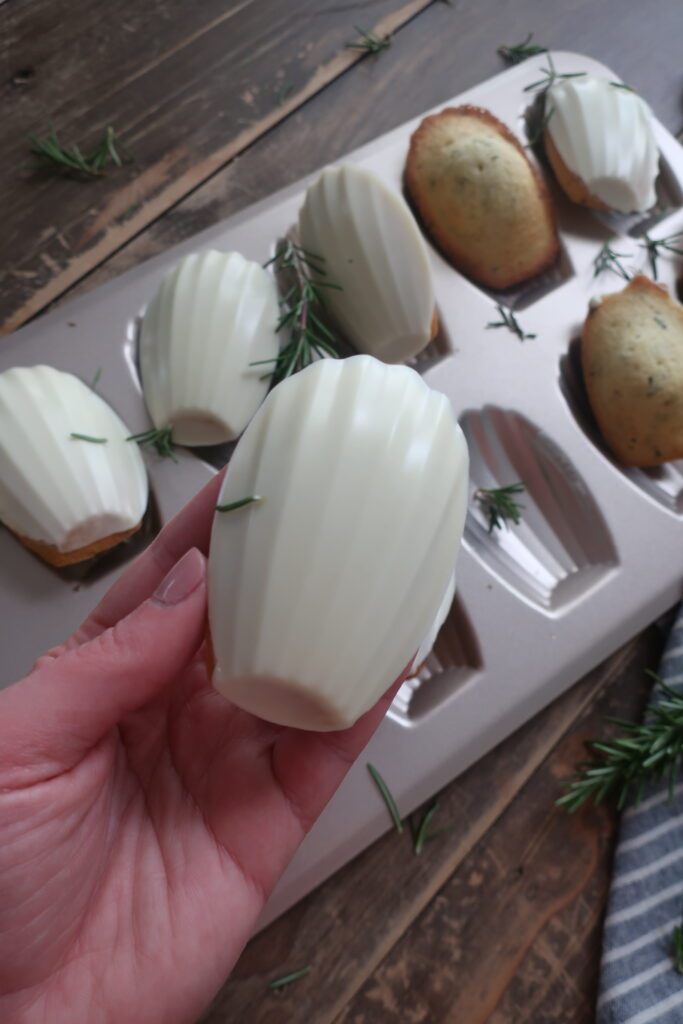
(190, 528)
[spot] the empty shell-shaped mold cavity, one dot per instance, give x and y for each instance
(561, 547)
(455, 658)
(663, 484)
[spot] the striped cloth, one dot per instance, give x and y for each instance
(638, 983)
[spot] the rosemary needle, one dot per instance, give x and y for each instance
(87, 437)
(289, 978)
(158, 439)
(678, 948)
(521, 51)
(96, 380)
(387, 797)
(251, 500)
(509, 320)
(421, 835)
(369, 42)
(608, 259)
(550, 76)
(499, 505)
(654, 245)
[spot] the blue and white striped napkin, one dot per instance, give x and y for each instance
(638, 982)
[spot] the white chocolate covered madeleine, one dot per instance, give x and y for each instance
(321, 594)
(372, 249)
(71, 485)
(213, 315)
(600, 142)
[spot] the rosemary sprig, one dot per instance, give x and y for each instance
(653, 246)
(287, 979)
(301, 312)
(49, 152)
(387, 797)
(499, 505)
(521, 51)
(369, 42)
(96, 380)
(87, 437)
(608, 259)
(509, 320)
(160, 439)
(550, 76)
(677, 937)
(251, 500)
(647, 752)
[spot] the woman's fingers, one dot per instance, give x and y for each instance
(66, 706)
(191, 527)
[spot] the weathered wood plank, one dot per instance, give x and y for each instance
(514, 936)
(347, 927)
(187, 87)
(445, 50)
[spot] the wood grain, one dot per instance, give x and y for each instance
(535, 871)
(447, 49)
(187, 87)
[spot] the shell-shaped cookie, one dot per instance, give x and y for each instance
(439, 619)
(65, 497)
(372, 249)
(320, 595)
(632, 358)
(600, 141)
(479, 197)
(213, 315)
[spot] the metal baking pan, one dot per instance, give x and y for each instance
(597, 556)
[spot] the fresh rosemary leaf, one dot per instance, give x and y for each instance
(622, 85)
(289, 978)
(251, 500)
(678, 948)
(608, 259)
(656, 246)
(87, 437)
(387, 797)
(649, 751)
(509, 320)
(300, 312)
(158, 439)
(369, 42)
(499, 505)
(521, 51)
(421, 835)
(96, 380)
(50, 153)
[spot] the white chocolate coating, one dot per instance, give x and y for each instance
(320, 596)
(213, 314)
(373, 249)
(604, 135)
(428, 643)
(53, 488)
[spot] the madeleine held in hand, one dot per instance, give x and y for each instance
(135, 802)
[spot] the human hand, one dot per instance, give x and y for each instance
(144, 819)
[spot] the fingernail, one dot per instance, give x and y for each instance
(182, 580)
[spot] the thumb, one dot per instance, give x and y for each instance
(66, 705)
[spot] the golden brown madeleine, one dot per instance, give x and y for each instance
(479, 198)
(632, 357)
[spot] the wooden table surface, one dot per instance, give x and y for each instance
(222, 103)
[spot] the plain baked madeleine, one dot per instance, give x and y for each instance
(632, 357)
(479, 198)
